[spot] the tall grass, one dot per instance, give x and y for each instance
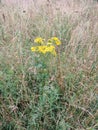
(30, 97)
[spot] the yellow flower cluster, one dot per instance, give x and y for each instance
(39, 40)
(55, 40)
(46, 47)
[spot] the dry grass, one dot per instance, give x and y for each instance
(28, 99)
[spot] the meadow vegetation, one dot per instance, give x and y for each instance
(46, 91)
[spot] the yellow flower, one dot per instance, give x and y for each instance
(42, 49)
(46, 49)
(34, 49)
(39, 40)
(52, 50)
(56, 40)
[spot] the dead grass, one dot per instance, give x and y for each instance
(76, 24)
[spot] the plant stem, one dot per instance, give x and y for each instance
(59, 71)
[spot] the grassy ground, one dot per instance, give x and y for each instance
(49, 92)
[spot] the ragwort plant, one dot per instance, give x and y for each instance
(44, 49)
